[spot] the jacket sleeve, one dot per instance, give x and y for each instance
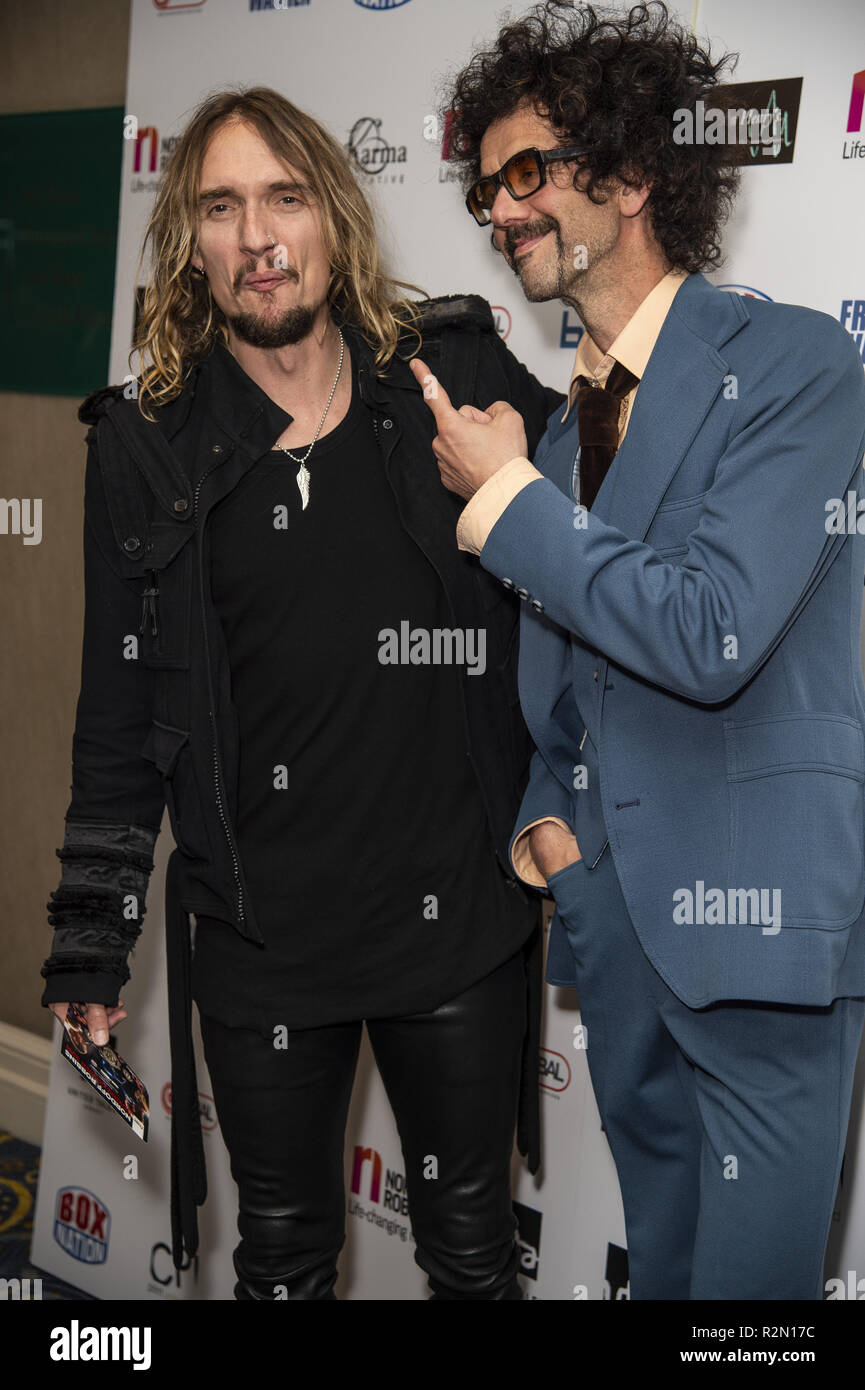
(525, 393)
(544, 799)
(117, 796)
(758, 551)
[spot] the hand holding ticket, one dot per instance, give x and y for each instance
(100, 1018)
(104, 1069)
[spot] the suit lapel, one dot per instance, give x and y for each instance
(682, 379)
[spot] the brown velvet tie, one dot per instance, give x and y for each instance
(598, 409)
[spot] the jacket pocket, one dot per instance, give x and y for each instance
(797, 814)
(169, 749)
(673, 552)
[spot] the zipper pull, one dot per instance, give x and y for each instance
(148, 601)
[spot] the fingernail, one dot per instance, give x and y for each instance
(100, 1039)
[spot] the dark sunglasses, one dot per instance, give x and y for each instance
(522, 175)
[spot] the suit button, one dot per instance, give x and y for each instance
(181, 504)
(536, 604)
(522, 593)
(508, 583)
(387, 424)
(217, 449)
(131, 543)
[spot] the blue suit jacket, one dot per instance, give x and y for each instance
(701, 624)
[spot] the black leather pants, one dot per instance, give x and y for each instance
(451, 1077)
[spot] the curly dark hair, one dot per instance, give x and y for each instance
(615, 83)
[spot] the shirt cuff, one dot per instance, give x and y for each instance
(521, 855)
(482, 511)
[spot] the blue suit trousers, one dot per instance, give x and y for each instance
(727, 1123)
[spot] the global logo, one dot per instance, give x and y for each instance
(555, 1071)
(206, 1108)
(369, 149)
(501, 319)
(747, 292)
(81, 1225)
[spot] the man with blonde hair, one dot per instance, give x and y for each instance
(325, 694)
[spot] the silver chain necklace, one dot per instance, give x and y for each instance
(303, 474)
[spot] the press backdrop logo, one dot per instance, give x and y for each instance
(747, 292)
(555, 1071)
(855, 149)
(852, 318)
(393, 1197)
(781, 94)
(447, 172)
(150, 154)
(206, 1108)
(82, 1225)
(373, 153)
(380, 4)
(165, 1280)
(363, 1156)
(384, 1187)
(502, 320)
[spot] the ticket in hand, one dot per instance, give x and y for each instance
(105, 1070)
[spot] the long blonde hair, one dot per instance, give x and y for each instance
(180, 323)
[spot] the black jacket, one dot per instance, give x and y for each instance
(155, 722)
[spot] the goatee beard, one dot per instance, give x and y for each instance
(291, 327)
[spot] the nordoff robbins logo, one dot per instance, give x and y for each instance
(439, 646)
(718, 906)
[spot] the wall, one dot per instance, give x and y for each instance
(52, 58)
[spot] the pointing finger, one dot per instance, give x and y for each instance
(434, 393)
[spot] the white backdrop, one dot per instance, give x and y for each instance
(375, 68)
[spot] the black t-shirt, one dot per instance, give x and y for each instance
(360, 825)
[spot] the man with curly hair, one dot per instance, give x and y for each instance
(689, 663)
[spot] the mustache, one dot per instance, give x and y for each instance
(251, 268)
(514, 235)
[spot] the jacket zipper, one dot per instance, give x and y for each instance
(217, 773)
(462, 692)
